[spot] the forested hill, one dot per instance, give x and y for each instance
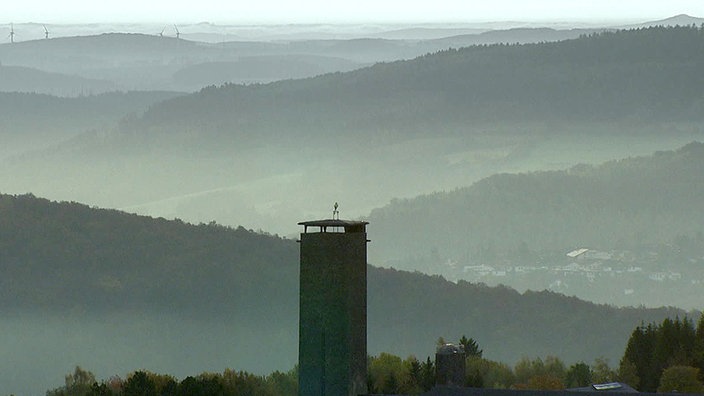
(79, 112)
(59, 255)
(81, 268)
(391, 130)
(32, 121)
(635, 75)
(26, 79)
(631, 204)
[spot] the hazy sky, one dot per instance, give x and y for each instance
(323, 11)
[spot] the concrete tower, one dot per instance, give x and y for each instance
(332, 344)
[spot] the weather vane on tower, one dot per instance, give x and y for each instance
(335, 212)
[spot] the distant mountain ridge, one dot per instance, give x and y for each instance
(259, 69)
(217, 33)
(25, 79)
(134, 61)
(652, 206)
(146, 61)
(628, 197)
(517, 36)
(677, 20)
(401, 128)
(613, 76)
(32, 122)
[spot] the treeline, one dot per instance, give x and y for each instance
(657, 355)
(666, 357)
(386, 374)
(643, 75)
(651, 203)
(144, 383)
(389, 374)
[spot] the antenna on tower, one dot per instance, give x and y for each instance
(46, 32)
(12, 33)
(178, 34)
(335, 212)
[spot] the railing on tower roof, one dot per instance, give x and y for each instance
(335, 224)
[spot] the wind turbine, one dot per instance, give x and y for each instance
(178, 34)
(12, 33)
(46, 32)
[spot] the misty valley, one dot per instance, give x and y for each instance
(540, 190)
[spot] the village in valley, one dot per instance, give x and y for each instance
(656, 277)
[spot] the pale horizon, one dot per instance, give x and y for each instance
(363, 11)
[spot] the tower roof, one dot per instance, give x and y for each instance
(348, 225)
(333, 223)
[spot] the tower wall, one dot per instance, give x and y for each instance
(333, 314)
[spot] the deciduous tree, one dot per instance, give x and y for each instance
(578, 375)
(683, 379)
